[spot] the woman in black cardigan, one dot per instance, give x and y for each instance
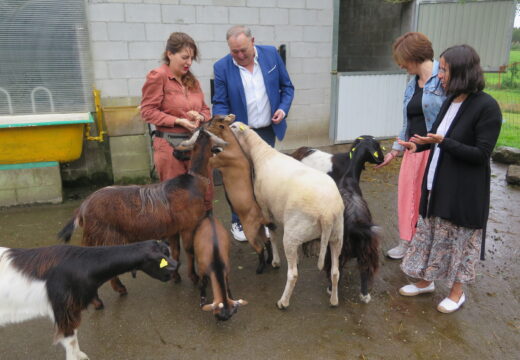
(455, 193)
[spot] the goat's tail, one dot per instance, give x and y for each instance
(367, 251)
(66, 233)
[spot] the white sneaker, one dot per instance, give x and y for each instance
(238, 232)
(399, 251)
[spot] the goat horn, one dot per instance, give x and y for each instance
(220, 305)
(191, 141)
(218, 141)
(241, 302)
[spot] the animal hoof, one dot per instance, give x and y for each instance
(275, 265)
(334, 304)
(82, 356)
(281, 306)
(365, 298)
(260, 269)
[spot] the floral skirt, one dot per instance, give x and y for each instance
(441, 250)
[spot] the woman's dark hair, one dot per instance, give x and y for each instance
(465, 72)
(176, 42)
(412, 47)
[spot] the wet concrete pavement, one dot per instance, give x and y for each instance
(163, 320)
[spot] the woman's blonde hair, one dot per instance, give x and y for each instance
(412, 47)
(176, 42)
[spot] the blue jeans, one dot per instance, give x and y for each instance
(267, 134)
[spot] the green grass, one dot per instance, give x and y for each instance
(492, 78)
(514, 56)
(509, 101)
(510, 132)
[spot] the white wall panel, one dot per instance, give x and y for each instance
(369, 104)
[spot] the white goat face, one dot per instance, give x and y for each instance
(238, 128)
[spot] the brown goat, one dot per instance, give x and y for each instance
(118, 215)
(211, 243)
(238, 183)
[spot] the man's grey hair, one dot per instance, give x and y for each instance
(237, 30)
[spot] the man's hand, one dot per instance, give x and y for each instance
(278, 116)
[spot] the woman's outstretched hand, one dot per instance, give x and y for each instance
(428, 139)
(412, 147)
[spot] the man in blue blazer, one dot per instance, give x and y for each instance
(252, 83)
(238, 92)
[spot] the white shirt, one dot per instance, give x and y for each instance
(258, 106)
(441, 130)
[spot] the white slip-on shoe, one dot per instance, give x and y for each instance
(413, 290)
(238, 232)
(448, 306)
(399, 251)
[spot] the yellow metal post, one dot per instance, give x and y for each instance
(99, 118)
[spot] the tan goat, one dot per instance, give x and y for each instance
(238, 183)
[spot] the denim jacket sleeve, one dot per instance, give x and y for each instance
(432, 99)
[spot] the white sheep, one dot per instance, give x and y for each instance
(302, 200)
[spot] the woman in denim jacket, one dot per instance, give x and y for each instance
(423, 98)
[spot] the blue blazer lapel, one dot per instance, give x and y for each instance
(266, 69)
(237, 81)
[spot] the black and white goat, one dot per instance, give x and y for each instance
(60, 281)
(361, 237)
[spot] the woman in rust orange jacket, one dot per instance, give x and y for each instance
(173, 101)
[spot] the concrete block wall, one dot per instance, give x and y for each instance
(30, 183)
(130, 158)
(128, 39)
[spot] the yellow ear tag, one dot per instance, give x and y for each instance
(384, 148)
(163, 263)
(360, 138)
(353, 149)
(375, 154)
(350, 154)
(242, 127)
